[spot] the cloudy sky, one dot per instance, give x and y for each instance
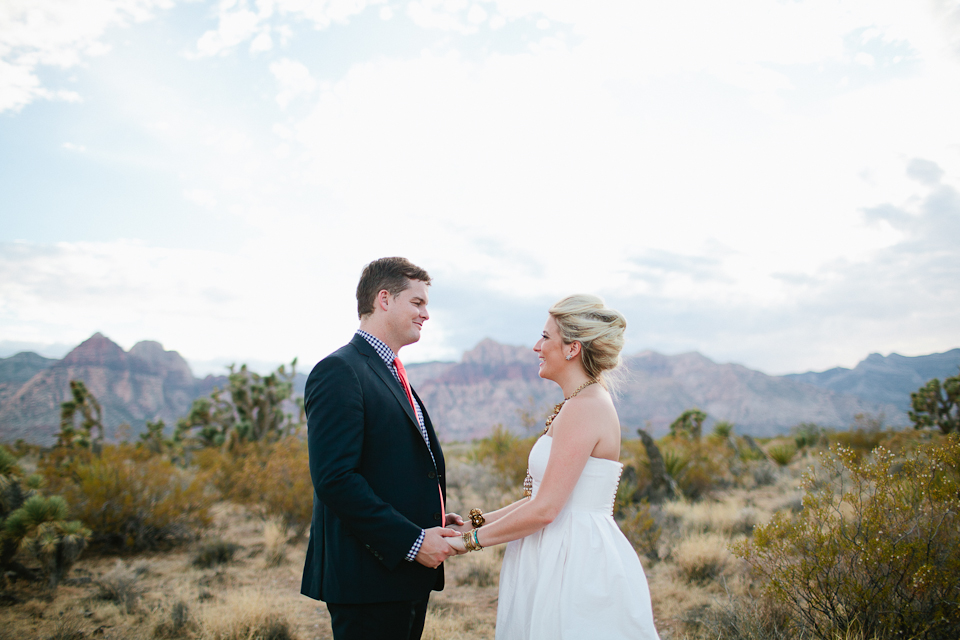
(774, 183)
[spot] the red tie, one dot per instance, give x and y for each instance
(402, 374)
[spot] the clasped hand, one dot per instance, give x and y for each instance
(439, 543)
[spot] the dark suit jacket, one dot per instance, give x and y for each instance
(375, 486)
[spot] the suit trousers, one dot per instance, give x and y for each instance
(378, 620)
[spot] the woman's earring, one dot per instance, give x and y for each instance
(569, 356)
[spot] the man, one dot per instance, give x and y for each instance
(377, 537)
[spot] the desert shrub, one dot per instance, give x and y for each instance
(507, 454)
(122, 586)
(129, 498)
(806, 434)
(69, 626)
(675, 462)
(723, 430)
(178, 624)
(860, 440)
(214, 552)
(747, 618)
(763, 473)
(873, 552)
(702, 557)
(697, 466)
(640, 527)
(272, 478)
(782, 454)
(626, 490)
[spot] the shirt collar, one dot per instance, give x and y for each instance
(385, 352)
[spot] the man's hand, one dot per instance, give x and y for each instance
(435, 549)
(453, 519)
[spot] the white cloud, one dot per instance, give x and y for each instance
(202, 197)
(238, 21)
(263, 42)
(78, 148)
(476, 15)
(294, 79)
(36, 33)
(444, 15)
(690, 156)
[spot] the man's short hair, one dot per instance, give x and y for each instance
(392, 274)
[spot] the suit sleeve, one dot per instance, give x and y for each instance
(333, 400)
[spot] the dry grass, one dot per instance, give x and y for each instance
(703, 557)
(121, 586)
(729, 517)
(246, 615)
(275, 536)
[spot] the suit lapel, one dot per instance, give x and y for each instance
(434, 442)
(379, 367)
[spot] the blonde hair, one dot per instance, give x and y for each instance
(599, 330)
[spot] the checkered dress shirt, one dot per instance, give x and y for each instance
(388, 356)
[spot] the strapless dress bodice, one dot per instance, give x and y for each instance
(595, 490)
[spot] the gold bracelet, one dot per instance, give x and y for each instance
(470, 541)
(476, 517)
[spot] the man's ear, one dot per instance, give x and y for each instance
(383, 299)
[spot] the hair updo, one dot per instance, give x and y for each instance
(599, 330)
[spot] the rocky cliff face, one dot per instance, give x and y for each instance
(146, 383)
(493, 383)
(16, 370)
(660, 387)
(490, 385)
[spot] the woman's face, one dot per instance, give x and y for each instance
(550, 349)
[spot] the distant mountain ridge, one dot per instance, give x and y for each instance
(492, 384)
(146, 383)
(888, 379)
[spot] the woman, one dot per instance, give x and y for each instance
(568, 572)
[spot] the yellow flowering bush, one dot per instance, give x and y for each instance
(875, 549)
(128, 497)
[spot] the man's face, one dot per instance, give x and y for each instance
(407, 312)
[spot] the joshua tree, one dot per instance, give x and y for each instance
(253, 412)
(89, 434)
(936, 405)
(662, 485)
(689, 424)
(153, 439)
(40, 528)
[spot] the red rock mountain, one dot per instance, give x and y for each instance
(146, 383)
(492, 384)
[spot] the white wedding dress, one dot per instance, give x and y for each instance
(578, 578)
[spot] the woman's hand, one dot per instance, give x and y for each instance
(456, 542)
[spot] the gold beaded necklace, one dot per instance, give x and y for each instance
(528, 481)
